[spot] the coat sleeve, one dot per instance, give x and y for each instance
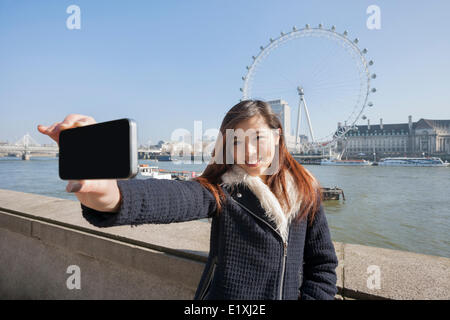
(155, 201)
(320, 261)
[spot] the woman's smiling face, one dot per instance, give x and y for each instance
(255, 145)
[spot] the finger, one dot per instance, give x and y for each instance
(81, 123)
(69, 121)
(41, 128)
(63, 126)
(50, 130)
(78, 123)
(72, 118)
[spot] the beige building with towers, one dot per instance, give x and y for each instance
(425, 137)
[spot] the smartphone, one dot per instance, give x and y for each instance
(106, 150)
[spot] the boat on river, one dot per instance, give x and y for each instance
(413, 162)
(332, 193)
(157, 173)
(337, 162)
(153, 172)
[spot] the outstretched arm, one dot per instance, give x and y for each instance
(155, 201)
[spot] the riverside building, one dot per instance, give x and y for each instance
(412, 139)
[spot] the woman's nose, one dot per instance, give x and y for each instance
(251, 151)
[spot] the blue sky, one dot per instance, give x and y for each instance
(169, 63)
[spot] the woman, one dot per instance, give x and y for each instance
(269, 234)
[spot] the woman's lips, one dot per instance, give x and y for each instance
(254, 165)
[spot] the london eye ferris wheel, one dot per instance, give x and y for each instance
(320, 71)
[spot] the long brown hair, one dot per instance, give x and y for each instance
(307, 185)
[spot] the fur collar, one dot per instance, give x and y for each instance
(274, 210)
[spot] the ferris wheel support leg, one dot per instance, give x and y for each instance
(309, 121)
(298, 123)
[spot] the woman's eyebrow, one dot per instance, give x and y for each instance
(235, 137)
(258, 133)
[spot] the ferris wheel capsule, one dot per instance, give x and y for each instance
(364, 51)
(294, 28)
(345, 33)
(370, 104)
(373, 76)
(320, 26)
(356, 40)
(307, 26)
(371, 63)
(373, 90)
(333, 28)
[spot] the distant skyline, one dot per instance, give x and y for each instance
(168, 64)
(207, 137)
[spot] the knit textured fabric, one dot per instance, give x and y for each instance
(247, 251)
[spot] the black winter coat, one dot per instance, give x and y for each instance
(249, 257)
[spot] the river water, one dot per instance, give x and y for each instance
(403, 208)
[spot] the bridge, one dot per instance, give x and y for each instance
(26, 147)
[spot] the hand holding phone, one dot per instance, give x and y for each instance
(101, 195)
(106, 150)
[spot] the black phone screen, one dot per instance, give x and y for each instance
(98, 151)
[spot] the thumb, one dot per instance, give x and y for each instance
(86, 186)
(74, 186)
